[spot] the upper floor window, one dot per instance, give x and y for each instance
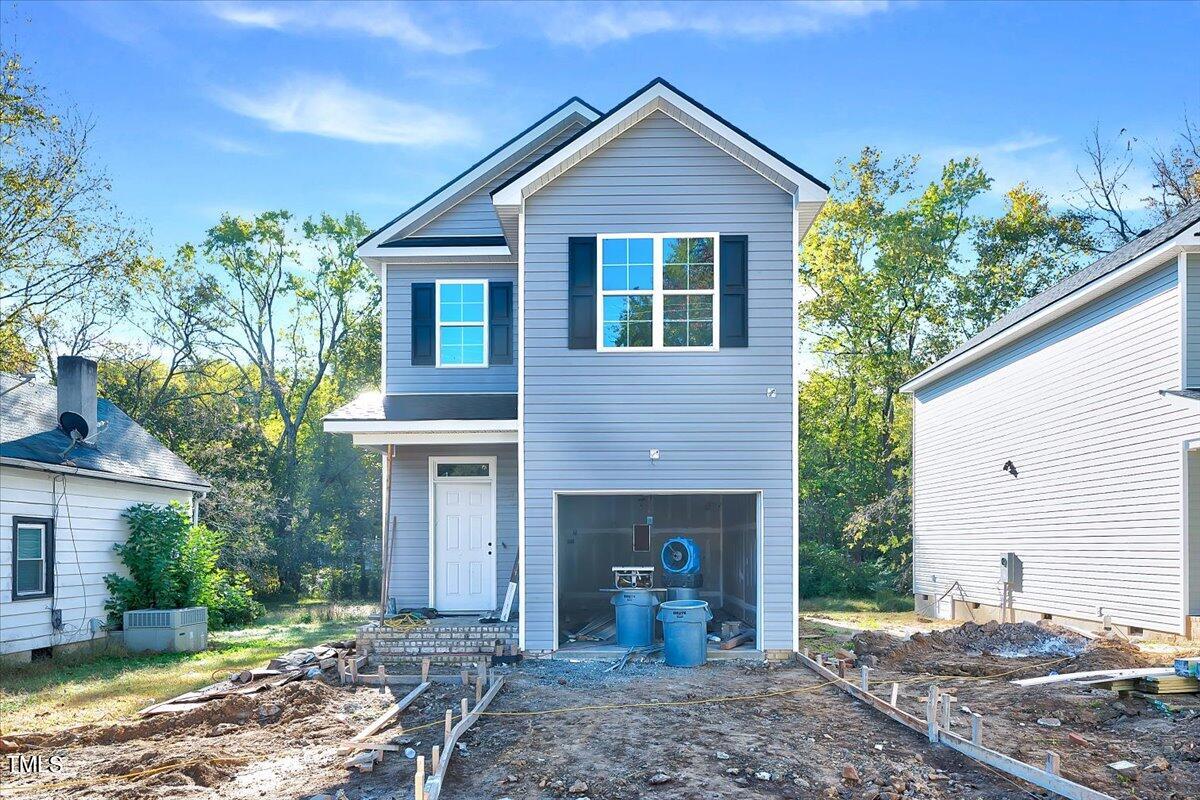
(658, 292)
(461, 323)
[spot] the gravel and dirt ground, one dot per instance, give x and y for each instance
(1089, 727)
(653, 732)
(658, 743)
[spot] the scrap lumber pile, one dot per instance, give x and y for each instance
(302, 663)
(1168, 684)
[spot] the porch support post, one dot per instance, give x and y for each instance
(385, 554)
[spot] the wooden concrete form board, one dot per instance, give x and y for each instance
(1019, 769)
(433, 785)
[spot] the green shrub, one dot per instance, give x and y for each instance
(826, 571)
(173, 564)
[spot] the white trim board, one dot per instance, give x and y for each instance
(1147, 262)
(64, 469)
(661, 98)
(462, 437)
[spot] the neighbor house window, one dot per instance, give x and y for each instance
(658, 292)
(462, 323)
(33, 557)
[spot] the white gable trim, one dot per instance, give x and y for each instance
(662, 98)
(1146, 262)
(471, 180)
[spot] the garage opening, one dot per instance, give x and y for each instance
(597, 533)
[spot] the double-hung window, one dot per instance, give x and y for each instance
(33, 557)
(462, 324)
(658, 292)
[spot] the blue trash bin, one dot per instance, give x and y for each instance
(635, 617)
(685, 632)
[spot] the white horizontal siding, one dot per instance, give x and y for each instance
(1095, 512)
(87, 525)
(590, 417)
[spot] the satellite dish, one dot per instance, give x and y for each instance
(73, 425)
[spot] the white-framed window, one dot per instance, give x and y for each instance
(462, 319)
(33, 557)
(658, 292)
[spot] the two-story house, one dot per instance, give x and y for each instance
(589, 346)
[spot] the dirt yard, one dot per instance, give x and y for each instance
(281, 743)
(650, 731)
(1088, 727)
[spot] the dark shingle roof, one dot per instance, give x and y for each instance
(29, 431)
(1110, 263)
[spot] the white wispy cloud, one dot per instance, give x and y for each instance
(388, 20)
(1042, 161)
(325, 106)
(590, 24)
(227, 144)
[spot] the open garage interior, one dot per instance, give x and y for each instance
(597, 532)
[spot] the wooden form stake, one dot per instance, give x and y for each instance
(424, 670)
(449, 724)
(419, 789)
(353, 671)
(931, 703)
(895, 694)
(478, 689)
(946, 701)
(466, 675)
(864, 671)
(434, 757)
(976, 729)
(465, 707)
(1035, 775)
(382, 680)
(1052, 764)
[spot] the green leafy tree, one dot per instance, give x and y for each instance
(63, 245)
(897, 275)
(173, 564)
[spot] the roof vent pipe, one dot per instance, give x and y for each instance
(77, 396)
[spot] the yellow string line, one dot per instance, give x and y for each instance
(561, 710)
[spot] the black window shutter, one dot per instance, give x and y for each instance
(735, 291)
(424, 321)
(500, 322)
(581, 293)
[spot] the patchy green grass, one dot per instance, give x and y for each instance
(108, 685)
(828, 623)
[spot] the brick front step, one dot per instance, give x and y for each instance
(441, 642)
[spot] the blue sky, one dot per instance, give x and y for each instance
(242, 106)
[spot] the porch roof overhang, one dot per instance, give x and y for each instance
(375, 419)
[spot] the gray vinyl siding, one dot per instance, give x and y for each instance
(409, 575)
(475, 215)
(1095, 512)
(590, 417)
(1192, 356)
(402, 376)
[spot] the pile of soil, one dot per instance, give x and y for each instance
(989, 649)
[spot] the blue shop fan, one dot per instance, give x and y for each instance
(680, 556)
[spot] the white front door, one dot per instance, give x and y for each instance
(465, 552)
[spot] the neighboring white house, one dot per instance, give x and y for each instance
(61, 505)
(1068, 434)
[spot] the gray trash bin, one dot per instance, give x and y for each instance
(635, 617)
(685, 632)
